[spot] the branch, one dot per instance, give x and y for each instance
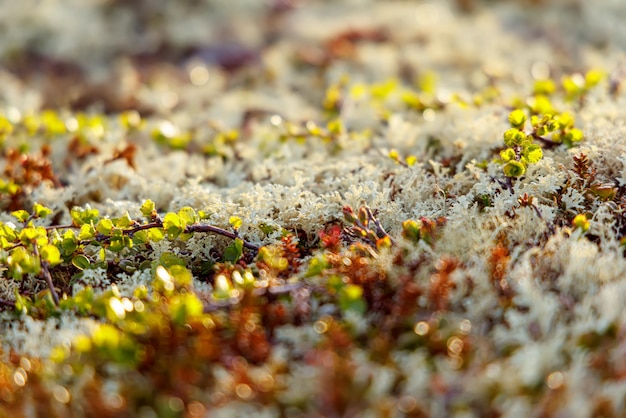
(158, 223)
(548, 144)
(379, 228)
(8, 303)
(220, 231)
(47, 276)
(52, 227)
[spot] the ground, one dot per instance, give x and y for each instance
(313, 208)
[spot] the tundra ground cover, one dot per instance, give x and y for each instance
(312, 209)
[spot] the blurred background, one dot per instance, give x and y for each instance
(81, 53)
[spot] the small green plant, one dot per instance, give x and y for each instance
(577, 86)
(409, 161)
(521, 149)
(424, 229)
(92, 241)
(361, 227)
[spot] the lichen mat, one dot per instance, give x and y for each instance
(312, 209)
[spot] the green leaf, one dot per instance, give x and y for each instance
(184, 307)
(535, 121)
(513, 137)
(427, 82)
(104, 226)
(316, 266)
(313, 129)
(411, 230)
(115, 345)
(514, 169)
(124, 221)
(156, 234)
(128, 266)
(382, 90)
(541, 105)
(533, 153)
(517, 119)
(33, 235)
(4, 243)
(335, 283)
(203, 214)
(266, 229)
(81, 262)
(335, 126)
(566, 120)
(580, 221)
(235, 222)
(44, 302)
(234, 251)
(68, 246)
(82, 216)
(545, 87)
(141, 237)
(188, 215)
(181, 275)
(6, 128)
(245, 280)
(572, 136)
(41, 211)
(148, 209)
(351, 299)
(50, 254)
(87, 232)
(572, 86)
(22, 303)
(130, 119)
(169, 259)
(7, 232)
(107, 336)
(119, 242)
(163, 282)
(22, 261)
(174, 225)
(9, 187)
(593, 77)
(508, 155)
(21, 215)
(53, 123)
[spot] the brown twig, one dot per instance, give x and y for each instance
(47, 276)
(379, 228)
(220, 231)
(548, 144)
(52, 227)
(8, 303)
(158, 223)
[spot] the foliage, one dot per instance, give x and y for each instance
(334, 310)
(166, 344)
